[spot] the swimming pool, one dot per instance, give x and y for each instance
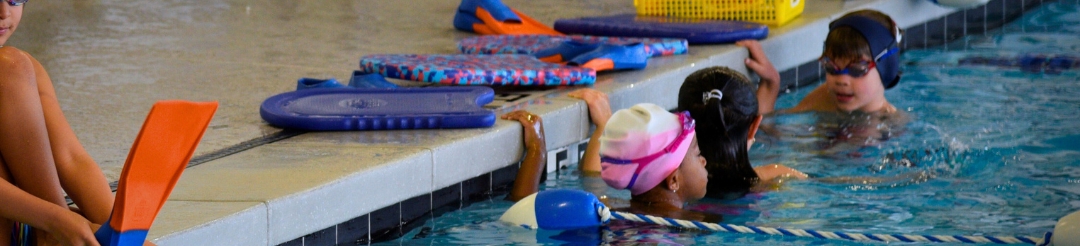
(991, 149)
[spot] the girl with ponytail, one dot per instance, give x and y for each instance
(726, 108)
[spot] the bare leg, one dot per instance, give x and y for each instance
(6, 225)
(24, 139)
(79, 175)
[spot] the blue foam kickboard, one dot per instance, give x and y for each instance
(341, 109)
(694, 31)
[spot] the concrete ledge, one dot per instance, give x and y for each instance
(305, 187)
(206, 223)
(457, 154)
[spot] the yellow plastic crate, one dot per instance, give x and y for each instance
(771, 12)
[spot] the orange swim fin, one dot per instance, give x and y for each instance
(527, 25)
(159, 155)
(492, 17)
(600, 64)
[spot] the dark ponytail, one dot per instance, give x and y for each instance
(724, 106)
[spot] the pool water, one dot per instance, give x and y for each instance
(989, 148)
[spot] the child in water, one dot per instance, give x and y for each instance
(645, 149)
(861, 60)
(654, 154)
(723, 102)
(725, 107)
(41, 157)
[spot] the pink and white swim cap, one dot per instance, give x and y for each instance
(643, 145)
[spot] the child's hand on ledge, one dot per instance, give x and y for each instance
(599, 107)
(599, 112)
(532, 124)
(769, 86)
(759, 63)
(532, 166)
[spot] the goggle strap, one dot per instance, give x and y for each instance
(15, 3)
(625, 162)
(886, 52)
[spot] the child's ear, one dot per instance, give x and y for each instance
(672, 181)
(899, 35)
(754, 127)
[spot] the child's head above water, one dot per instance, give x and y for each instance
(646, 147)
(10, 15)
(861, 59)
(726, 108)
(865, 36)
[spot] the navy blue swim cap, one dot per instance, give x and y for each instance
(883, 45)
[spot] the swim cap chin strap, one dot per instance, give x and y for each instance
(883, 45)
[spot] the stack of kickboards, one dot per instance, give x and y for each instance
(512, 50)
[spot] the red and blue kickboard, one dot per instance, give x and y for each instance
(536, 44)
(347, 109)
(514, 70)
(694, 31)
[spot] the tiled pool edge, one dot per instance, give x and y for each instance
(382, 222)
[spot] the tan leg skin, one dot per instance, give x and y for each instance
(27, 151)
(79, 175)
(24, 140)
(6, 225)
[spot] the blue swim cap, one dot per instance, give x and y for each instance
(884, 46)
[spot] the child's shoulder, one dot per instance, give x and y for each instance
(12, 50)
(14, 56)
(816, 100)
(16, 60)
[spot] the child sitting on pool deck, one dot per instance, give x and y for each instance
(41, 157)
(647, 150)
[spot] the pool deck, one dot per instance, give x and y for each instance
(110, 61)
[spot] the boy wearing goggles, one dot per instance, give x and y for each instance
(861, 60)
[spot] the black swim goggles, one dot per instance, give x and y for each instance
(16, 3)
(855, 69)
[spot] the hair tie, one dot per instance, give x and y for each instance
(715, 93)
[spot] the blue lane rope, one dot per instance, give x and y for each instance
(606, 215)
